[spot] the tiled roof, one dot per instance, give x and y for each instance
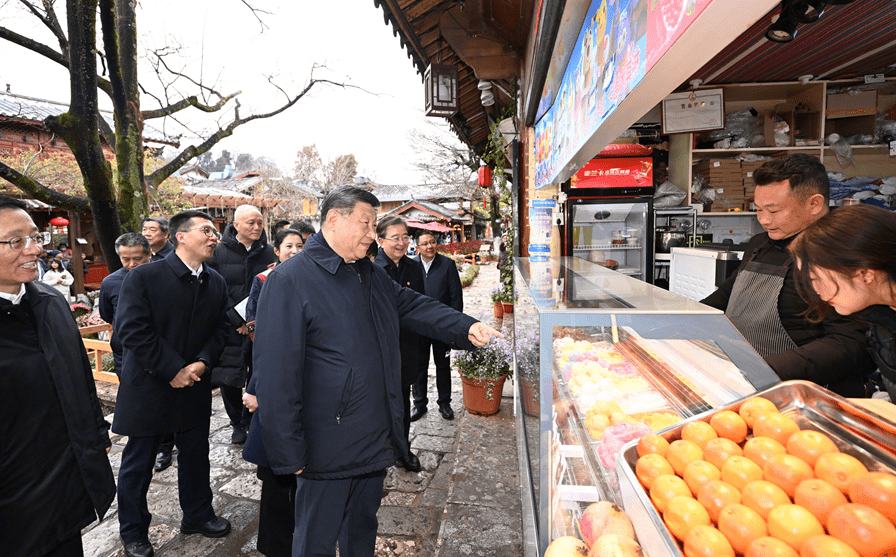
(386, 192)
(36, 110)
(435, 208)
(230, 186)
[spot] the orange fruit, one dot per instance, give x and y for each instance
(819, 498)
(763, 496)
(651, 466)
(714, 496)
(760, 449)
(767, 546)
(809, 445)
(698, 433)
(786, 471)
(775, 425)
(826, 546)
(741, 525)
(681, 453)
(793, 524)
(729, 425)
(665, 488)
(706, 541)
(752, 408)
(739, 471)
(682, 514)
(652, 444)
(839, 469)
(876, 490)
(863, 528)
(699, 473)
(717, 451)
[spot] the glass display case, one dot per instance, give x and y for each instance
(600, 359)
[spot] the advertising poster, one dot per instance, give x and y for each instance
(666, 21)
(540, 221)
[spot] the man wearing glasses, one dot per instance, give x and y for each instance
(172, 324)
(55, 477)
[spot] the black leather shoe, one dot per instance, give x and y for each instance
(446, 411)
(239, 435)
(418, 413)
(138, 549)
(215, 528)
(163, 460)
(411, 463)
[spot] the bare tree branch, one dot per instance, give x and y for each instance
(185, 103)
(43, 193)
(160, 57)
(48, 18)
(255, 12)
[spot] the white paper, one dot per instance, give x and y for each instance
(240, 308)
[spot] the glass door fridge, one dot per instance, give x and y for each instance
(616, 232)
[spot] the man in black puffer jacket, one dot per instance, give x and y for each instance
(242, 253)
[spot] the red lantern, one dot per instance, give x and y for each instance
(59, 221)
(485, 176)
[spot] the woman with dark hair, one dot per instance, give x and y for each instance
(59, 278)
(847, 260)
(276, 515)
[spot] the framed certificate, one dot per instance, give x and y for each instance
(693, 111)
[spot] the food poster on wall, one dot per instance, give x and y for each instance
(540, 221)
(610, 58)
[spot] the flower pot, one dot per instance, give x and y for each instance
(508, 308)
(476, 399)
(499, 310)
(529, 387)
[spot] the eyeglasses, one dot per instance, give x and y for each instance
(208, 231)
(399, 239)
(426, 244)
(20, 243)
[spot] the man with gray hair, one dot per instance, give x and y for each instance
(155, 229)
(133, 250)
(327, 368)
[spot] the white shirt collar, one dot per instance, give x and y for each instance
(14, 298)
(426, 265)
(194, 272)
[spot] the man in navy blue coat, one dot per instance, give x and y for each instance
(172, 323)
(328, 371)
(442, 283)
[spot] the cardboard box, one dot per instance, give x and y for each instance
(846, 105)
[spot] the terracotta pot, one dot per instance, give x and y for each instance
(475, 395)
(531, 405)
(508, 308)
(499, 310)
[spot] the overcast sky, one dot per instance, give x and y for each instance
(223, 42)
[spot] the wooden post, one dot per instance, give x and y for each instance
(74, 232)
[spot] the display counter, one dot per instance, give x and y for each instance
(600, 359)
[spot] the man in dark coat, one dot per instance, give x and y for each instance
(172, 323)
(155, 229)
(55, 477)
(243, 253)
(133, 250)
(392, 236)
(443, 284)
(329, 374)
(761, 297)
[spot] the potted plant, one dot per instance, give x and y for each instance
(528, 369)
(498, 301)
(483, 372)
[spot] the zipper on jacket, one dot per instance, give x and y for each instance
(346, 392)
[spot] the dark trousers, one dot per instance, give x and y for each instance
(194, 490)
(166, 443)
(71, 547)
(233, 404)
(344, 510)
(443, 372)
(276, 513)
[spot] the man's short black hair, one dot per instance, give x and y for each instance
(181, 222)
(7, 202)
(303, 227)
(161, 221)
(805, 174)
(423, 233)
(344, 198)
(280, 224)
(132, 239)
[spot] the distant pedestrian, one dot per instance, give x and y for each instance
(59, 278)
(278, 226)
(304, 228)
(172, 323)
(329, 374)
(55, 477)
(443, 284)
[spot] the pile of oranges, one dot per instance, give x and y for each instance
(784, 492)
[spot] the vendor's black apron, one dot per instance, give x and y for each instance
(753, 307)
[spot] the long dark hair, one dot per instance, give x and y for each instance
(284, 233)
(844, 241)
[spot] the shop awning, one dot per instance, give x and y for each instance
(433, 226)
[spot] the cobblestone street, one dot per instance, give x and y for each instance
(465, 500)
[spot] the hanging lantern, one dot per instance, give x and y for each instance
(485, 176)
(440, 85)
(59, 221)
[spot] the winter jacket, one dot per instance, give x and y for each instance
(443, 281)
(50, 278)
(409, 274)
(831, 353)
(326, 338)
(238, 266)
(882, 341)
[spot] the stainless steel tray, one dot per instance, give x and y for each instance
(856, 431)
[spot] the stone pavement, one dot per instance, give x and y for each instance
(464, 502)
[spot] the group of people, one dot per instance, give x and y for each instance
(314, 319)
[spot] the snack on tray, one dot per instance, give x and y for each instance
(615, 437)
(631, 383)
(659, 420)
